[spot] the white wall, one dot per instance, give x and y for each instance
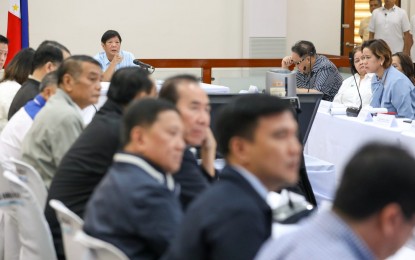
(181, 28)
(318, 21)
(409, 6)
(150, 29)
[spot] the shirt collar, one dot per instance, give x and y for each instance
(149, 167)
(61, 93)
(330, 220)
(385, 73)
(106, 60)
(392, 9)
(253, 181)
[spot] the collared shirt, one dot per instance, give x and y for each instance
(325, 237)
(127, 60)
(389, 25)
(53, 132)
(149, 167)
(325, 78)
(253, 181)
(12, 136)
(394, 92)
(348, 94)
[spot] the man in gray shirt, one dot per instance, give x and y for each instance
(59, 123)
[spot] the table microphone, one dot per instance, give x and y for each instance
(354, 111)
(142, 64)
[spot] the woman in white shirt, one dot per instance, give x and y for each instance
(348, 94)
(15, 74)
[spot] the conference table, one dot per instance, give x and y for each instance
(336, 138)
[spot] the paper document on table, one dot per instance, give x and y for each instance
(335, 111)
(214, 89)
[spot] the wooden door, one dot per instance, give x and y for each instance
(347, 27)
(348, 24)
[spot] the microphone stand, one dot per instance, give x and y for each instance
(354, 111)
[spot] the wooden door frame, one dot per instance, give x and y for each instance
(347, 34)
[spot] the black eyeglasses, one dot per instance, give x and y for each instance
(298, 62)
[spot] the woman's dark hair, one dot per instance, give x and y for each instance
(407, 65)
(379, 48)
(20, 66)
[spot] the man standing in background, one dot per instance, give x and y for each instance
(391, 24)
(364, 23)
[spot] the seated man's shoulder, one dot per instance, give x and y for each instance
(227, 198)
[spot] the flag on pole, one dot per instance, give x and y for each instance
(17, 27)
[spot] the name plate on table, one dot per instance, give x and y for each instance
(325, 106)
(386, 120)
(365, 116)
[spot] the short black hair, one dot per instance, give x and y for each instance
(127, 82)
(304, 48)
(49, 79)
(143, 113)
(55, 44)
(73, 66)
(110, 34)
(377, 175)
(169, 91)
(241, 115)
(4, 39)
(45, 54)
(20, 66)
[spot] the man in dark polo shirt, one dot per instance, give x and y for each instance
(46, 59)
(193, 103)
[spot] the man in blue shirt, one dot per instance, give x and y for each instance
(373, 213)
(113, 58)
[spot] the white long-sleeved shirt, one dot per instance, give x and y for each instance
(8, 90)
(348, 95)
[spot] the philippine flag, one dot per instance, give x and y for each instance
(17, 27)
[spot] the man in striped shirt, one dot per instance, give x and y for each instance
(315, 72)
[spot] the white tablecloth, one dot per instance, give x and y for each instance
(322, 176)
(336, 138)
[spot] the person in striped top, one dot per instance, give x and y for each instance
(316, 73)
